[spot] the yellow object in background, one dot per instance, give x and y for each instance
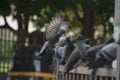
(45, 76)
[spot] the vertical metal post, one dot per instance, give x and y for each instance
(118, 65)
(117, 21)
(117, 35)
(57, 70)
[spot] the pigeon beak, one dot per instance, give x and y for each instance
(43, 49)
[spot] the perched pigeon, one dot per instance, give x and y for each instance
(63, 49)
(91, 52)
(104, 56)
(73, 58)
(75, 55)
(69, 47)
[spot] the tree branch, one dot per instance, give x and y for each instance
(78, 15)
(7, 26)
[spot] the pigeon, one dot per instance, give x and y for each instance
(54, 30)
(91, 52)
(75, 55)
(69, 47)
(104, 56)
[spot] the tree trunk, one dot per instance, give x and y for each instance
(22, 30)
(88, 22)
(88, 18)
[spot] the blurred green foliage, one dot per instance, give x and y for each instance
(82, 14)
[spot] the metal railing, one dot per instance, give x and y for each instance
(82, 73)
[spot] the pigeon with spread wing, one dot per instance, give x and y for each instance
(54, 30)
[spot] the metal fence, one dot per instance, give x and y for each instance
(81, 73)
(7, 40)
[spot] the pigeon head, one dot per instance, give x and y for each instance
(88, 41)
(62, 41)
(80, 37)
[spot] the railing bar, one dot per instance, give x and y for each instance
(77, 76)
(73, 77)
(86, 77)
(81, 76)
(63, 76)
(70, 76)
(100, 77)
(106, 78)
(95, 77)
(113, 78)
(66, 76)
(90, 78)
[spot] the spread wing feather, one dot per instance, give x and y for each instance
(54, 26)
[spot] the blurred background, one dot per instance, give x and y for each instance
(22, 22)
